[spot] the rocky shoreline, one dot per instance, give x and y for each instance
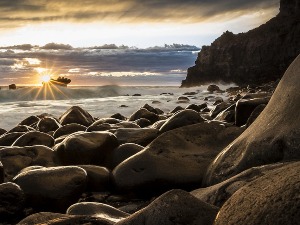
(234, 163)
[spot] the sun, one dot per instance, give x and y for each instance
(46, 78)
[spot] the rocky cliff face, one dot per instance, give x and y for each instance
(260, 55)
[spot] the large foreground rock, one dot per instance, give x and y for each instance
(219, 193)
(85, 148)
(176, 158)
(15, 159)
(270, 199)
(34, 138)
(53, 188)
(174, 207)
(272, 137)
(76, 115)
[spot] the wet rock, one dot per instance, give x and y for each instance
(157, 125)
(8, 139)
(218, 100)
(1, 173)
(149, 108)
(270, 199)
(30, 121)
(14, 159)
(58, 187)
(159, 111)
(193, 107)
(34, 138)
(76, 115)
(62, 219)
(101, 127)
(68, 129)
(273, 136)
(48, 124)
(212, 88)
(218, 108)
(144, 113)
(21, 128)
(190, 93)
(85, 148)
(140, 136)
(183, 99)
(174, 207)
(227, 115)
(176, 109)
(12, 200)
(143, 122)
(118, 116)
(105, 121)
(125, 124)
(122, 153)
(98, 210)
(256, 112)
(244, 108)
(219, 193)
(98, 178)
(189, 149)
(2, 131)
(136, 95)
(180, 119)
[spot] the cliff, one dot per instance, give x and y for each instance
(260, 55)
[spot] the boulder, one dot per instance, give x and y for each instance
(14, 159)
(193, 107)
(34, 138)
(176, 109)
(219, 193)
(21, 128)
(85, 148)
(270, 199)
(12, 200)
(48, 124)
(256, 112)
(212, 88)
(180, 119)
(219, 108)
(76, 115)
(118, 116)
(98, 178)
(189, 149)
(271, 138)
(140, 136)
(174, 207)
(183, 99)
(58, 187)
(149, 108)
(62, 219)
(157, 125)
(122, 153)
(98, 210)
(2, 131)
(68, 129)
(8, 139)
(1, 173)
(227, 115)
(144, 113)
(244, 108)
(29, 121)
(143, 122)
(105, 121)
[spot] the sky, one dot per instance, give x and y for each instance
(97, 42)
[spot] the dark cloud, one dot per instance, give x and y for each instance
(24, 47)
(55, 46)
(26, 11)
(118, 64)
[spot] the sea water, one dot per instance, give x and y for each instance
(100, 101)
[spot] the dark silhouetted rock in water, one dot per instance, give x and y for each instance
(174, 207)
(260, 55)
(270, 199)
(272, 137)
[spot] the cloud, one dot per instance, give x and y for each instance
(24, 47)
(20, 12)
(98, 65)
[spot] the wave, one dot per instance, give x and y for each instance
(52, 92)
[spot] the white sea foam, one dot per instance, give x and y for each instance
(103, 101)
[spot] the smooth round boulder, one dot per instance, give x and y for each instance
(256, 112)
(14, 159)
(53, 188)
(174, 207)
(34, 138)
(193, 107)
(98, 210)
(212, 88)
(106, 120)
(68, 129)
(98, 178)
(76, 115)
(85, 148)
(48, 124)
(122, 153)
(140, 136)
(272, 137)
(143, 122)
(21, 128)
(12, 200)
(270, 199)
(177, 109)
(8, 139)
(29, 121)
(2, 131)
(180, 119)
(118, 116)
(189, 149)
(144, 113)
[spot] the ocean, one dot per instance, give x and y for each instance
(99, 101)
